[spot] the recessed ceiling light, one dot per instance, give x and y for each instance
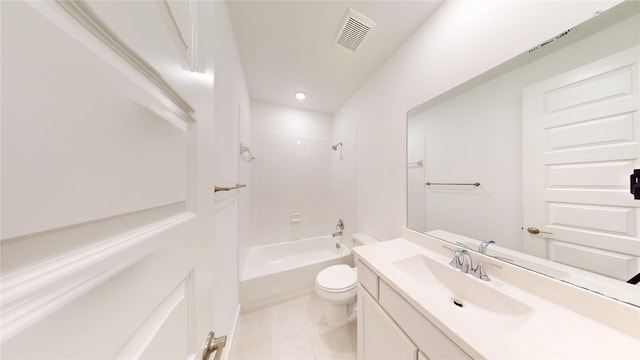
(300, 95)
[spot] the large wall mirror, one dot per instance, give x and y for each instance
(536, 155)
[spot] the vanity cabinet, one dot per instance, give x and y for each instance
(389, 327)
(378, 335)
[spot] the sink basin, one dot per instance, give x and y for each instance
(462, 290)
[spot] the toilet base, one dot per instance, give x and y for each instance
(338, 315)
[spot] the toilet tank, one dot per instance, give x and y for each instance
(363, 239)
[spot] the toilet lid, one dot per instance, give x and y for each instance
(336, 278)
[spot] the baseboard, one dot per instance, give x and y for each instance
(257, 305)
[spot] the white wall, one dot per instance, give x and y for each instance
(290, 175)
(461, 40)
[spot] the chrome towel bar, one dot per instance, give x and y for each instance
(224, 188)
(476, 184)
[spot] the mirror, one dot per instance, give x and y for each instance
(536, 155)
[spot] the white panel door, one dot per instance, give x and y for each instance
(581, 141)
(104, 253)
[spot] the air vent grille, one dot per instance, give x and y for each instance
(354, 30)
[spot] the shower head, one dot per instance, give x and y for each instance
(335, 147)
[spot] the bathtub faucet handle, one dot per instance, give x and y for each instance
(340, 225)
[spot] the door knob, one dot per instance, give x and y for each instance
(536, 231)
(213, 344)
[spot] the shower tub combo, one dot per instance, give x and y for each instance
(276, 271)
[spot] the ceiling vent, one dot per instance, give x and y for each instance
(354, 30)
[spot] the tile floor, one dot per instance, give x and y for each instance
(292, 329)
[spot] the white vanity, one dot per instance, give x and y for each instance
(413, 305)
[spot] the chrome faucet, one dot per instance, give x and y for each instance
(339, 227)
(484, 245)
(480, 273)
(462, 260)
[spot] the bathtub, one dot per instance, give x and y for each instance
(277, 271)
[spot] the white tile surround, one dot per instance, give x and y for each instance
(292, 329)
(292, 174)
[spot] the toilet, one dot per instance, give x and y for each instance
(336, 285)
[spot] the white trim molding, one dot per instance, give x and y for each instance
(139, 342)
(226, 352)
(172, 27)
(32, 293)
(82, 12)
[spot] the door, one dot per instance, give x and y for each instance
(580, 144)
(105, 251)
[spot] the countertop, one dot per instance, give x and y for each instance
(550, 331)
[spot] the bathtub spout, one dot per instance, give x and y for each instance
(337, 233)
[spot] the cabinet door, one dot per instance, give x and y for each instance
(426, 336)
(378, 336)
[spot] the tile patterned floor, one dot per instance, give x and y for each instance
(292, 329)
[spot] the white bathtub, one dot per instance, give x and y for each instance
(276, 271)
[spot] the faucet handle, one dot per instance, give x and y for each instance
(455, 262)
(461, 258)
(479, 271)
(466, 265)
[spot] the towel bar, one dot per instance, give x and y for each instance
(224, 188)
(476, 184)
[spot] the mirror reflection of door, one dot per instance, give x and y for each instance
(580, 143)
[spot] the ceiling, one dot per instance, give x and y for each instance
(290, 46)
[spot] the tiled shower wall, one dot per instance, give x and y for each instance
(291, 176)
(344, 180)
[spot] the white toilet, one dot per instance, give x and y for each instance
(336, 285)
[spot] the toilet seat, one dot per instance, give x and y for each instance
(337, 278)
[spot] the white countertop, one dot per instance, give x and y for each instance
(550, 331)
